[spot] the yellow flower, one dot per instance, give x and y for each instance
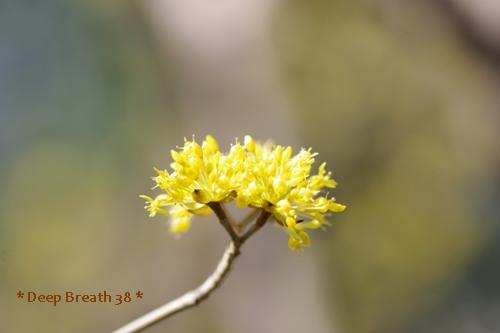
(181, 219)
(264, 176)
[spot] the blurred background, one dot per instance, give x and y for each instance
(401, 98)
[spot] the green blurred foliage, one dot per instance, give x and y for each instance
(376, 92)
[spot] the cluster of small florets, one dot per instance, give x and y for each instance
(264, 176)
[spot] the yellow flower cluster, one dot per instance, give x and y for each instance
(265, 176)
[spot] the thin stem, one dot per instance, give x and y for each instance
(189, 299)
(224, 219)
(195, 296)
(230, 218)
(261, 220)
(247, 219)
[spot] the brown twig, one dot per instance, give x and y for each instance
(189, 299)
(261, 220)
(195, 296)
(247, 219)
(223, 219)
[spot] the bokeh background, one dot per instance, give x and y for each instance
(402, 98)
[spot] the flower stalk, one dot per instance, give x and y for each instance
(196, 296)
(224, 219)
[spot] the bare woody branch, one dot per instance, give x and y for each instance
(224, 219)
(195, 296)
(247, 219)
(189, 299)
